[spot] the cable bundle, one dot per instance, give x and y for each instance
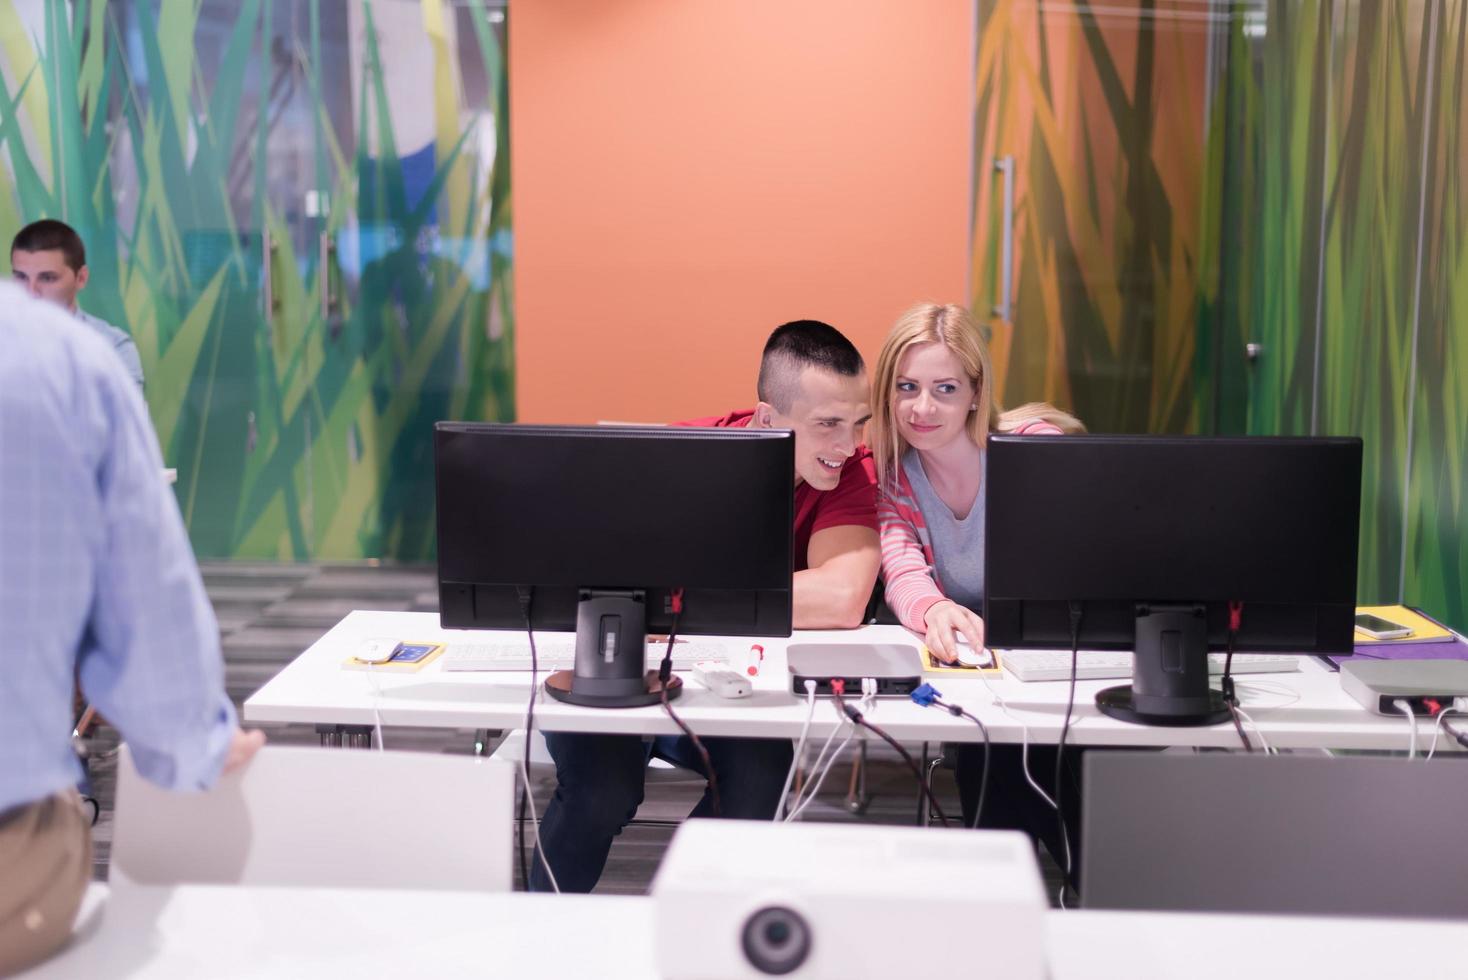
(926, 695)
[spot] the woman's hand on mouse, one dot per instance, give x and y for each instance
(946, 620)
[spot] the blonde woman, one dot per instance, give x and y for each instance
(933, 409)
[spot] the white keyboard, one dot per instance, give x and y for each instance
(1054, 665)
(558, 652)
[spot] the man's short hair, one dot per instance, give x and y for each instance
(797, 345)
(48, 234)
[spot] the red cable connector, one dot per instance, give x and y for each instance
(838, 685)
(1433, 706)
(676, 601)
(1235, 615)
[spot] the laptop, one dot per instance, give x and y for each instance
(896, 667)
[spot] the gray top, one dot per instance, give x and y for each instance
(958, 546)
(120, 341)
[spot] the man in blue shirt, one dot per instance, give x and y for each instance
(97, 583)
(48, 260)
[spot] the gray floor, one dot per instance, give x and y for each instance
(268, 613)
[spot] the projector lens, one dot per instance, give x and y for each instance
(776, 940)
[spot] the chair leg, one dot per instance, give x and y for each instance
(924, 817)
(486, 740)
(857, 798)
(345, 736)
(928, 771)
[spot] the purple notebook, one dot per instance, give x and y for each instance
(1441, 648)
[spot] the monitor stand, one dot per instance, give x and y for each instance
(1169, 672)
(611, 644)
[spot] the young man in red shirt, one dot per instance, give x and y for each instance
(813, 382)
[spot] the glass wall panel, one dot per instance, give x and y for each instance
(1333, 106)
(1089, 178)
(300, 211)
(1280, 252)
(1372, 225)
(1435, 570)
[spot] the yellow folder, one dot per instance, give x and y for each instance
(1422, 627)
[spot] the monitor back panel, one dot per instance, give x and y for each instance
(564, 508)
(1307, 834)
(1115, 520)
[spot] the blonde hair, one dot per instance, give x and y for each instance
(953, 327)
(1018, 418)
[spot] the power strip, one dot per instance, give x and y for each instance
(722, 679)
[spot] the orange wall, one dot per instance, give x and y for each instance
(688, 174)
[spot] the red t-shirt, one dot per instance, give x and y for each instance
(853, 501)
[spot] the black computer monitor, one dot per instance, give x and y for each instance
(1151, 538)
(595, 529)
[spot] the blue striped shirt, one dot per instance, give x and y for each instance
(97, 579)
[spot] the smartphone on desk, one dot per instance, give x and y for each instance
(1379, 628)
(412, 653)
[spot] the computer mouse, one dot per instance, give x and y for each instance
(970, 657)
(377, 650)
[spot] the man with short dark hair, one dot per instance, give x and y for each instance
(49, 261)
(812, 381)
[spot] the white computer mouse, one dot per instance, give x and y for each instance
(970, 657)
(376, 650)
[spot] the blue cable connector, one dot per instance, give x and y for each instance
(926, 694)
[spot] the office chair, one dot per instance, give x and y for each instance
(325, 818)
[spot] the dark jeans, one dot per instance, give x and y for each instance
(1012, 804)
(600, 783)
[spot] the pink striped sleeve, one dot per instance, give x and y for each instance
(910, 588)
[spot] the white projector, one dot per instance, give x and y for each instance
(744, 899)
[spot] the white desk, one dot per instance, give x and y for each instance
(1305, 709)
(224, 931)
(228, 931)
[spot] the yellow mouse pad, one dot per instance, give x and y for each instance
(1422, 627)
(932, 665)
(406, 658)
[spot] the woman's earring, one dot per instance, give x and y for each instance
(973, 408)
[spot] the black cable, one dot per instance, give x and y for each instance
(858, 718)
(1460, 736)
(526, 594)
(1235, 620)
(958, 712)
(1076, 612)
(665, 673)
(1230, 696)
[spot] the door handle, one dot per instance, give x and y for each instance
(266, 285)
(1005, 307)
(325, 248)
(267, 275)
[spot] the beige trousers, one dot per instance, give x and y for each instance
(45, 865)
